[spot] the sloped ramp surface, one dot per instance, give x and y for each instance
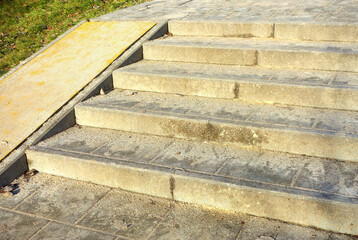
(30, 95)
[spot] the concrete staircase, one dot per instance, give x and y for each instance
(258, 118)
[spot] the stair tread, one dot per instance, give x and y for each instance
(258, 44)
(245, 74)
(321, 121)
(280, 172)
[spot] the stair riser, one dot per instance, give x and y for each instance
(329, 61)
(221, 29)
(178, 85)
(124, 177)
(317, 32)
(333, 216)
(308, 60)
(200, 55)
(289, 31)
(298, 142)
(342, 99)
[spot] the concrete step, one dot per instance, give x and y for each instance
(289, 31)
(251, 52)
(304, 190)
(248, 84)
(314, 132)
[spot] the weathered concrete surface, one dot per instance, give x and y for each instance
(249, 84)
(270, 53)
(322, 133)
(292, 31)
(316, 178)
(200, 53)
(221, 29)
(317, 32)
(297, 11)
(261, 183)
(64, 205)
(31, 94)
(123, 215)
(18, 226)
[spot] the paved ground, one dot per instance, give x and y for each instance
(319, 11)
(49, 207)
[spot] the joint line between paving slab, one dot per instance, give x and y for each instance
(298, 174)
(332, 3)
(57, 221)
(136, 104)
(181, 4)
(30, 195)
(318, 15)
(93, 206)
(162, 219)
(315, 123)
(332, 79)
(161, 152)
(97, 148)
(119, 237)
(39, 230)
(223, 164)
(240, 231)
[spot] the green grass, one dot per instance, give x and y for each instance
(28, 25)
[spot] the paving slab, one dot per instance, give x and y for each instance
(27, 187)
(186, 155)
(304, 11)
(319, 175)
(17, 226)
(63, 200)
(188, 222)
(134, 217)
(259, 229)
(55, 230)
(35, 91)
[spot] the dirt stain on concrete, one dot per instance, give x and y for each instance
(214, 132)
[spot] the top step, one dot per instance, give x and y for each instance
(268, 53)
(288, 31)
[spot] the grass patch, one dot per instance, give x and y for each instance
(28, 25)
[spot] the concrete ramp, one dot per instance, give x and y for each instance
(30, 95)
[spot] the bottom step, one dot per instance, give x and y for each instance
(304, 190)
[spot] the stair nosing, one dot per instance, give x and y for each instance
(136, 165)
(187, 44)
(240, 123)
(238, 80)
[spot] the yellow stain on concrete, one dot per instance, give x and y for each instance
(30, 95)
